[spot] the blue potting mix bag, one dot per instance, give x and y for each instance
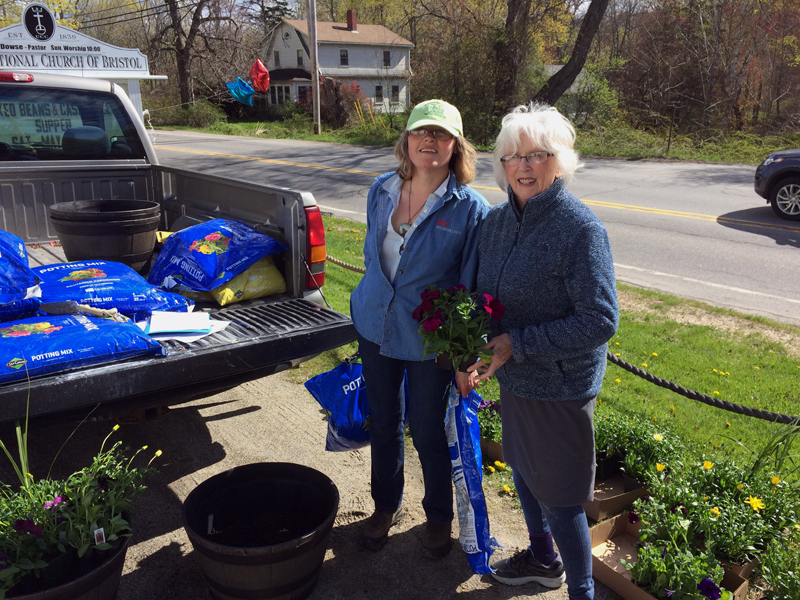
(463, 437)
(106, 284)
(204, 256)
(40, 345)
(19, 289)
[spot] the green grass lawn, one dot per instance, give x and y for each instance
(746, 366)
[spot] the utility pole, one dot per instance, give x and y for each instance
(311, 10)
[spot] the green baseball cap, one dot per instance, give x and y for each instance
(436, 112)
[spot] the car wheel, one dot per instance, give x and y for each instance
(785, 199)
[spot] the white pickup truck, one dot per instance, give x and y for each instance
(68, 138)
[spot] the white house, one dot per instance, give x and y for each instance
(372, 56)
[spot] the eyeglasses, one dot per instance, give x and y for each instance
(439, 134)
(532, 158)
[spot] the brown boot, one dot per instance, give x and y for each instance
(375, 531)
(436, 540)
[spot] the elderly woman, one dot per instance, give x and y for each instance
(547, 258)
(423, 224)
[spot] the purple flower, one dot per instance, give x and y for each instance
(102, 484)
(455, 289)
(668, 593)
(664, 554)
(28, 526)
(55, 502)
(494, 307)
(633, 518)
(678, 505)
(3, 560)
(709, 589)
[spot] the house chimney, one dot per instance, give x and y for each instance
(352, 25)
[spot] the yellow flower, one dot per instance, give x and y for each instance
(500, 465)
(144, 447)
(797, 525)
(727, 372)
(617, 381)
(660, 467)
(159, 453)
(775, 480)
(655, 353)
(705, 498)
(506, 489)
(672, 409)
(658, 437)
(716, 444)
(755, 503)
(655, 419)
(716, 392)
(756, 368)
(727, 424)
(715, 371)
(115, 428)
(644, 365)
(617, 354)
(617, 343)
(707, 465)
(715, 512)
(740, 487)
(491, 469)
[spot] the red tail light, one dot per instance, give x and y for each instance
(21, 77)
(315, 248)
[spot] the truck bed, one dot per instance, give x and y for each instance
(264, 336)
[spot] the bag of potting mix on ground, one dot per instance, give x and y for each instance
(463, 437)
(19, 289)
(40, 345)
(205, 256)
(106, 284)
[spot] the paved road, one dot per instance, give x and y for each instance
(689, 229)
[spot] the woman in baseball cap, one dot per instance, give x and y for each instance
(423, 224)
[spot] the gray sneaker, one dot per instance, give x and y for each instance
(524, 568)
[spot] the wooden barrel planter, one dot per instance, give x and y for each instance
(260, 531)
(100, 583)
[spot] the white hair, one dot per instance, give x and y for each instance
(547, 128)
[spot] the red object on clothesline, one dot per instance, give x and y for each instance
(259, 76)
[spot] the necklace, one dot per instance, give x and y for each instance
(405, 227)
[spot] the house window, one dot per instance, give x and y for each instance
(343, 59)
(280, 94)
(387, 58)
(395, 93)
(276, 58)
(299, 58)
(379, 94)
(303, 94)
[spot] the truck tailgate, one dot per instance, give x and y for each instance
(263, 337)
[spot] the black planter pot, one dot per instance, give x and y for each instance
(100, 582)
(605, 466)
(260, 531)
(443, 361)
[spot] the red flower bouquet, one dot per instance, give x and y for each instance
(454, 323)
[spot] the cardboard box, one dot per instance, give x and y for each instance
(610, 498)
(616, 539)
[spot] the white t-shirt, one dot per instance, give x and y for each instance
(390, 251)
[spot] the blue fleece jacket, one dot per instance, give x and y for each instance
(551, 266)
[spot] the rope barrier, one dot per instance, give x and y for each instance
(692, 395)
(669, 385)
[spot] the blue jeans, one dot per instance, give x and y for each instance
(570, 531)
(427, 406)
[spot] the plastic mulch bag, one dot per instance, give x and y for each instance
(463, 437)
(106, 284)
(262, 279)
(40, 345)
(205, 256)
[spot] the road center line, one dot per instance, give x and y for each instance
(600, 203)
(707, 283)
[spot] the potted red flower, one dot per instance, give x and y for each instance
(454, 324)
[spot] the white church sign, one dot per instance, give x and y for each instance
(39, 43)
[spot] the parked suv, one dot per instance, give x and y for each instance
(778, 180)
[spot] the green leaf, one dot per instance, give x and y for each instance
(82, 550)
(25, 563)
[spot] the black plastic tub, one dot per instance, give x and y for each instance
(117, 230)
(260, 531)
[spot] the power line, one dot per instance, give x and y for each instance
(148, 11)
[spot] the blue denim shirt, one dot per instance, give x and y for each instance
(441, 249)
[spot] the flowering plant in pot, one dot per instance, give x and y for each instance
(454, 324)
(53, 531)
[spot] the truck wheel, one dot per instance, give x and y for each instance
(785, 199)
